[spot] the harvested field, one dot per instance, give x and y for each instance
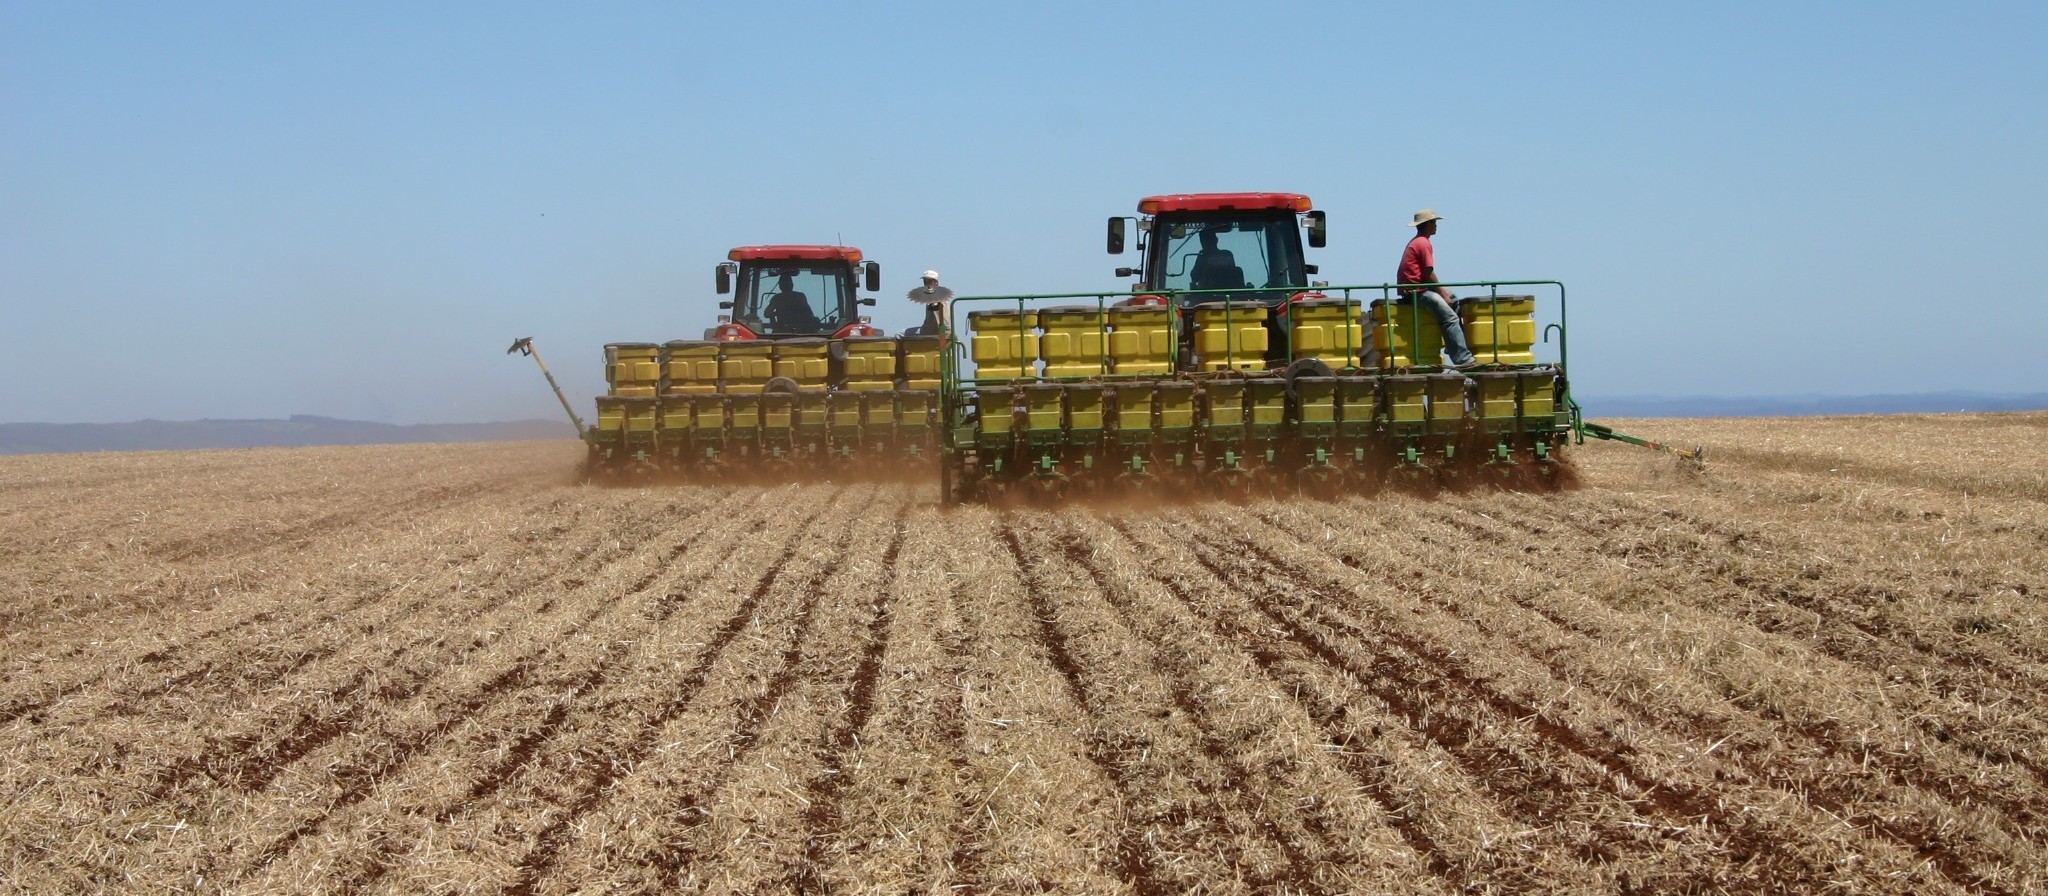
(1819, 665)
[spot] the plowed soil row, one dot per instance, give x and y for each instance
(1820, 663)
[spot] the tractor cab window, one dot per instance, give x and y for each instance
(1260, 259)
(791, 299)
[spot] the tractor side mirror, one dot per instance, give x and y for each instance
(724, 283)
(1116, 236)
(1318, 230)
(1127, 272)
(867, 301)
(874, 275)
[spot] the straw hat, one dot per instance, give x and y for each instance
(1425, 216)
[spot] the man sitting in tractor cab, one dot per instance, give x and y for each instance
(789, 311)
(1214, 268)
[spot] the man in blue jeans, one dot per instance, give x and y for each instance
(1418, 265)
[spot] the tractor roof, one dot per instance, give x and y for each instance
(782, 253)
(1217, 202)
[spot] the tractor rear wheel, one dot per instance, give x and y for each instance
(1300, 368)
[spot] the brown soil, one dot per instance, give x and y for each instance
(1818, 664)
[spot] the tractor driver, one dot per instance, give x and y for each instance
(789, 311)
(1418, 265)
(1214, 268)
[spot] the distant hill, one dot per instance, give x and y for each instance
(300, 430)
(304, 430)
(1807, 405)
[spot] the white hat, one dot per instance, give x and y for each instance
(1425, 216)
(931, 275)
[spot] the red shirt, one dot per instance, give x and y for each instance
(1420, 256)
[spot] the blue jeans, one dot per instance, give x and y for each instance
(1447, 321)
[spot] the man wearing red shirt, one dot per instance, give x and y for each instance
(1418, 265)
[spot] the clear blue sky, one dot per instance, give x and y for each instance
(260, 209)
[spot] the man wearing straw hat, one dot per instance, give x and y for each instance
(938, 304)
(1418, 265)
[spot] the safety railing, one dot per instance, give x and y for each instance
(958, 369)
(954, 367)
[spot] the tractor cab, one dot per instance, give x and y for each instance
(1247, 244)
(794, 291)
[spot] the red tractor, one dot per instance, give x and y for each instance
(791, 378)
(794, 292)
